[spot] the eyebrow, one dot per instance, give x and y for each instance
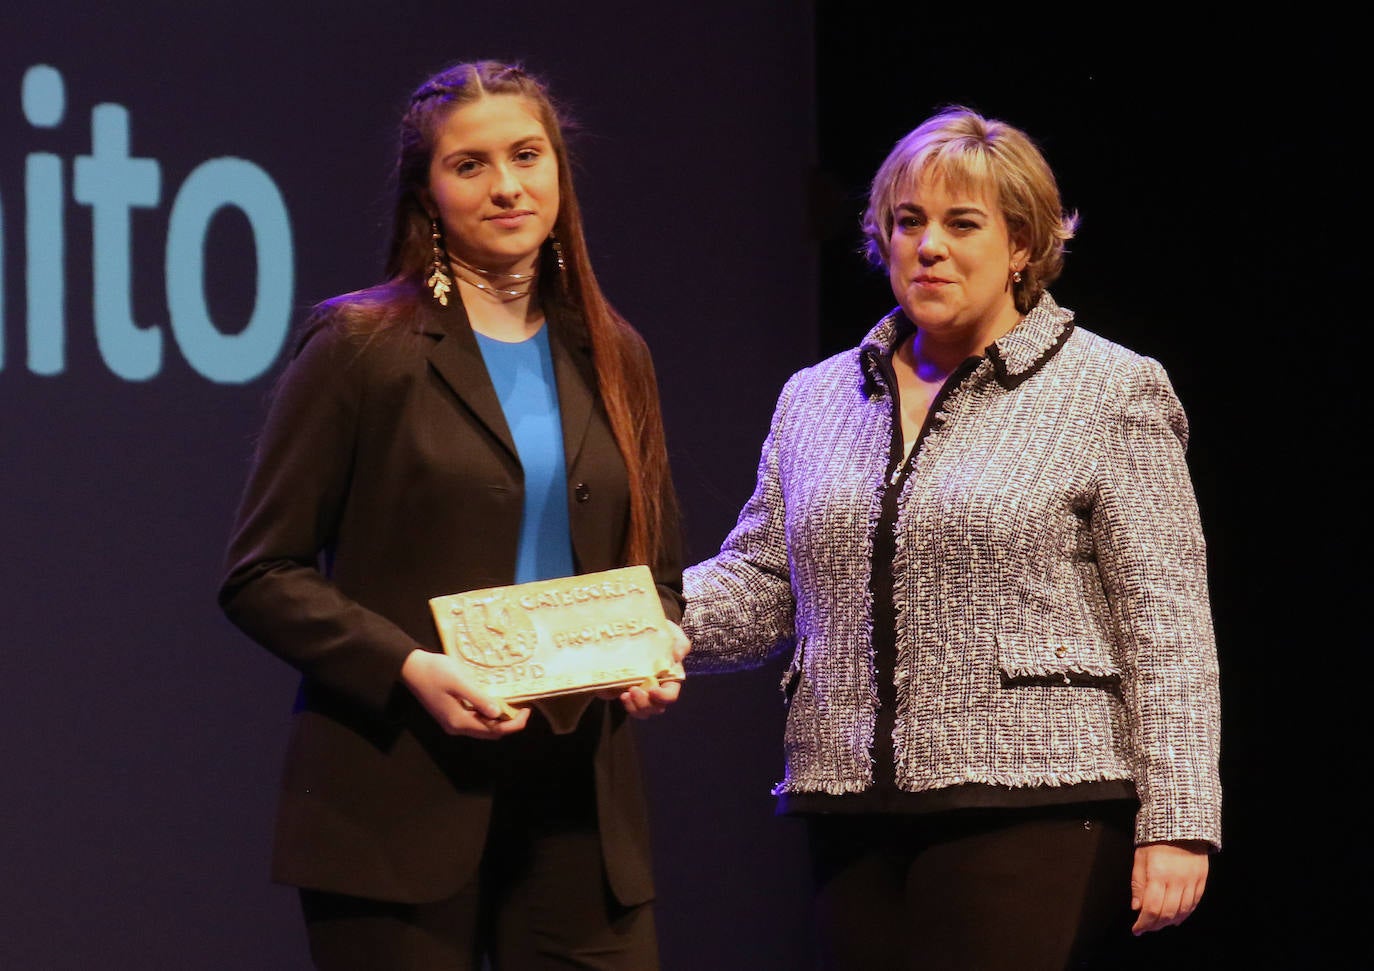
(953, 210)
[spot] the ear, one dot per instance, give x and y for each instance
(427, 202)
(1020, 251)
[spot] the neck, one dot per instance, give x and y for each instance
(501, 318)
(510, 284)
(939, 356)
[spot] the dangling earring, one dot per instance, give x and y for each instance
(1015, 276)
(558, 253)
(561, 263)
(439, 279)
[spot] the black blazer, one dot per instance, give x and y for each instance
(386, 475)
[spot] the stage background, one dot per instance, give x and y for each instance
(1216, 170)
(142, 735)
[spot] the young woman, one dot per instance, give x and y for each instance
(482, 417)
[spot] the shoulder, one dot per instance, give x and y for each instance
(1118, 365)
(628, 344)
(846, 362)
(379, 316)
(385, 308)
(1130, 385)
(823, 388)
(634, 361)
(354, 336)
(1090, 343)
(632, 342)
(842, 371)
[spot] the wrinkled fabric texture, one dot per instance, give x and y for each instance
(1053, 619)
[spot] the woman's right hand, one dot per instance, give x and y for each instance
(1167, 882)
(452, 701)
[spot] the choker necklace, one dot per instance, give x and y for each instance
(522, 281)
(489, 273)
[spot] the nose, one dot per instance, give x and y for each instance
(931, 245)
(506, 185)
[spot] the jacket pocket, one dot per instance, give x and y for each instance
(1078, 659)
(792, 676)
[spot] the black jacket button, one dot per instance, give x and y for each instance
(581, 492)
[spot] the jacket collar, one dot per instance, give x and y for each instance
(458, 360)
(1015, 356)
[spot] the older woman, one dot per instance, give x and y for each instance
(977, 535)
(481, 418)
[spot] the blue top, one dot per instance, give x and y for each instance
(525, 385)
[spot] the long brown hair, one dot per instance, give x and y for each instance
(628, 390)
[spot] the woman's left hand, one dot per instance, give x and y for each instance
(642, 702)
(1167, 882)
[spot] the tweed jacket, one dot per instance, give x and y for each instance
(1053, 621)
(385, 475)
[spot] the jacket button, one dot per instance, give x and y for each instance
(1060, 651)
(581, 492)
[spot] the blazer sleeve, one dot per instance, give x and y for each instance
(1153, 563)
(275, 588)
(740, 606)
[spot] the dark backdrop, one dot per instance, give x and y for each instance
(141, 735)
(1215, 166)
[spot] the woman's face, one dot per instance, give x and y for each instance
(950, 260)
(493, 183)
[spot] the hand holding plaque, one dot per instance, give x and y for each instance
(555, 643)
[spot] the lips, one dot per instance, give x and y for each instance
(510, 220)
(930, 281)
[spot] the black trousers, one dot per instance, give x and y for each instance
(540, 900)
(978, 890)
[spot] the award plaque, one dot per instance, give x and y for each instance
(548, 642)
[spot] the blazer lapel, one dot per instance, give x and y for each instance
(458, 361)
(575, 374)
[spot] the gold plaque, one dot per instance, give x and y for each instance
(549, 639)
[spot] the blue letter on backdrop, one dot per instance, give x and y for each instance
(229, 358)
(112, 183)
(44, 97)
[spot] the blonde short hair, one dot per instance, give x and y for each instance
(973, 152)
